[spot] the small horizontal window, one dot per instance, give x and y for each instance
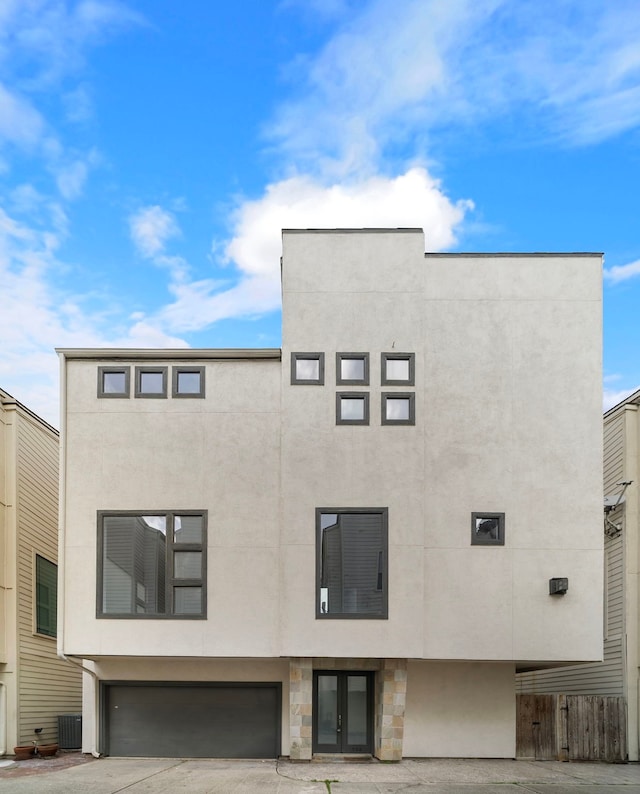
(398, 409)
(188, 382)
(352, 369)
(113, 381)
(398, 369)
(307, 368)
(487, 529)
(352, 408)
(151, 382)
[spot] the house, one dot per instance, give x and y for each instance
(35, 685)
(617, 675)
(347, 545)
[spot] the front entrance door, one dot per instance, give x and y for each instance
(342, 712)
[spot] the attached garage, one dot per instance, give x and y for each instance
(192, 720)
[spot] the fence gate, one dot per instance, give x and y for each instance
(571, 727)
(536, 727)
(596, 728)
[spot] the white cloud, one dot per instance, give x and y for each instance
(411, 199)
(614, 275)
(611, 397)
(20, 122)
(151, 229)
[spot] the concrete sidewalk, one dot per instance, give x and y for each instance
(428, 776)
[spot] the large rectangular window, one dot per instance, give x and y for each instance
(152, 564)
(46, 597)
(351, 562)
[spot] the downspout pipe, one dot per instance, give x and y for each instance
(62, 538)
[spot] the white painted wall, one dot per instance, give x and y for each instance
(460, 710)
(508, 418)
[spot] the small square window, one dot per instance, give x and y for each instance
(352, 408)
(398, 409)
(151, 382)
(398, 369)
(113, 382)
(487, 529)
(352, 369)
(188, 382)
(307, 368)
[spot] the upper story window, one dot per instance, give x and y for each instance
(307, 368)
(352, 369)
(398, 369)
(152, 564)
(151, 382)
(398, 409)
(352, 408)
(351, 563)
(487, 529)
(113, 381)
(46, 597)
(188, 382)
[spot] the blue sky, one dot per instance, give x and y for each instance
(151, 151)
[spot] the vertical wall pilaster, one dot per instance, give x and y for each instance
(391, 700)
(300, 702)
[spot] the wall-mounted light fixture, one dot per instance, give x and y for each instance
(558, 585)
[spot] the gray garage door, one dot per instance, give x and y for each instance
(212, 721)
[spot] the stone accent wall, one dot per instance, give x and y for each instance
(391, 692)
(300, 700)
(391, 698)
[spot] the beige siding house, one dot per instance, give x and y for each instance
(35, 684)
(347, 545)
(617, 675)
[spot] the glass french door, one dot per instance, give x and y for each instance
(342, 712)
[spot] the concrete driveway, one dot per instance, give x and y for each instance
(430, 776)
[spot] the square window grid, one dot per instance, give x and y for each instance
(352, 369)
(487, 529)
(113, 382)
(151, 382)
(398, 408)
(307, 369)
(188, 382)
(398, 369)
(352, 408)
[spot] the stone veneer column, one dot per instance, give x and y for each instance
(392, 695)
(300, 702)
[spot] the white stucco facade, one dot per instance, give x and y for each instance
(497, 344)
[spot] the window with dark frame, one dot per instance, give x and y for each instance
(352, 408)
(151, 382)
(152, 564)
(188, 382)
(351, 563)
(487, 529)
(398, 408)
(352, 369)
(307, 369)
(113, 381)
(398, 369)
(46, 597)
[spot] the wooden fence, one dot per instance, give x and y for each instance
(571, 727)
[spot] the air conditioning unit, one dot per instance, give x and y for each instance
(70, 731)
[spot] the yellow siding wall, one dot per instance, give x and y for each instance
(47, 685)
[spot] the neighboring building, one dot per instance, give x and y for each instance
(347, 545)
(35, 685)
(617, 675)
